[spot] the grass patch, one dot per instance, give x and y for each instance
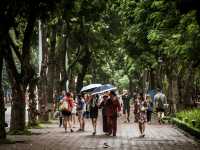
(7, 141)
(46, 122)
(20, 132)
(36, 125)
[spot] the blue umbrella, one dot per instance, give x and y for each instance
(103, 88)
(90, 87)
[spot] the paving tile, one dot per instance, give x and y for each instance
(158, 137)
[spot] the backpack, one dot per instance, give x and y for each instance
(65, 106)
(160, 101)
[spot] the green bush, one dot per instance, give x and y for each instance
(186, 127)
(191, 117)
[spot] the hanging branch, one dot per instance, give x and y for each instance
(15, 48)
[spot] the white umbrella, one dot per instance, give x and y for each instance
(90, 87)
(103, 88)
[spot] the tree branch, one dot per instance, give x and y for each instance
(12, 69)
(76, 60)
(15, 48)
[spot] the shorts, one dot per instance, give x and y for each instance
(80, 113)
(86, 114)
(66, 113)
(126, 110)
(160, 109)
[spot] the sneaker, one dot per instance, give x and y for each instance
(105, 145)
(79, 130)
(72, 130)
(94, 133)
(108, 134)
(142, 135)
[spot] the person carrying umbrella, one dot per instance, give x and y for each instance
(104, 105)
(94, 111)
(112, 113)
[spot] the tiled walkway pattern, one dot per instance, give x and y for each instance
(158, 137)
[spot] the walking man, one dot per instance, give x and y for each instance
(160, 103)
(126, 98)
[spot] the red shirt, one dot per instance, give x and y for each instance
(70, 101)
(113, 106)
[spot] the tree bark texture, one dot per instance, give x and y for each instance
(32, 120)
(18, 93)
(2, 104)
(189, 86)
(85, 62)
(51, 69)
(173, 95)
(42, 87)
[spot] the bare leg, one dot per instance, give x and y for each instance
(159, 117)
(74, 119)
(143, 128)
(95, 124)
(80, 121)
(140, 127)
(69, 123)
(94, 127)
(65, 123)
(83, 124)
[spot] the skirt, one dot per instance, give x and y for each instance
(94, 112)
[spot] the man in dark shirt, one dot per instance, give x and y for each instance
(126, 98)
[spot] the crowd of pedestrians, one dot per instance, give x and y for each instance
(86, 106)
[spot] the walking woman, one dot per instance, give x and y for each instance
(142, 114)
(80, 111)
(104, 106)
(136, 107)
(94, 111)
(112, 113)
(66, 108)
(149, 108)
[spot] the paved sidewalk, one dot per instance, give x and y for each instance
(158, 137)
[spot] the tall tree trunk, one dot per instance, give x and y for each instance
(63, 57)
(152, 85)
(158, 77)
(172, 76)
(42, 88)
(72, 84)
(181, 83)
(2, 105)
(131, 86)
(18, 93)
(51, 69)
(18, 107)
(173, 93)
(188, 86)
(85, 62)
(32, 120)
(64, 75)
